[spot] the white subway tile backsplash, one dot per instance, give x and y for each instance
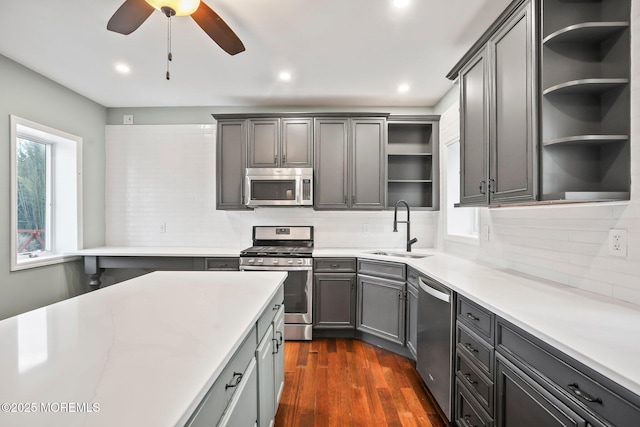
(166, 175)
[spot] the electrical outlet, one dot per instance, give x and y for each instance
(163, 227)
(618, 242)
(127, 119)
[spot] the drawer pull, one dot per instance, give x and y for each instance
(472, 317)
(276, 307)
(334, 265)
(467, 377)
(469, 347)
(582, 395)
(238, 378)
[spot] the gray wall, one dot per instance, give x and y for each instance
(202, 115)
(29, 95)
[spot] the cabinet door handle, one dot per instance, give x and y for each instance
(469, 347)
(276, 346)
(482, 190)
(284, 158)
(276, 307)
(582, 395)
(345, 200)
(238, 377)
(472, 317)
(492, 185)
(280, 337)
(353, 200)
(467, 377)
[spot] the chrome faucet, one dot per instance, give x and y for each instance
(410, 241)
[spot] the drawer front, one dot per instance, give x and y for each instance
(480, 386)
(468, 411)
(475, 348)
(220, 394)
(243, 408)
(413, 277)
(387, 270)
(477, 318)
(561, 370)
(269, 313)
(221, 264)
(334, 265)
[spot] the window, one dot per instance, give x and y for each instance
(462, 223)
(46, 203)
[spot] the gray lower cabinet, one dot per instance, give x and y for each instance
(231, 162)
(507, 376)
(248, 390)
(498, 116)
(412, 311)
(381, 300)
(266, 379)
(524, 403)
(349, 163)
(334, 293)
(334, 301)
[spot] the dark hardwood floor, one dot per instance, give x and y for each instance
(345, 382)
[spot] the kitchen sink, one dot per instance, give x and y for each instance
(399, 254)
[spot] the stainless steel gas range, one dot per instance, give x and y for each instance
(281, 248)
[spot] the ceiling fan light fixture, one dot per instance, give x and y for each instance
(181, 7)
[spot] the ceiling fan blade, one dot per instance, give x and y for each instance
(217, 29)
(130, 16)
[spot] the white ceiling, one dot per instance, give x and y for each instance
(340, 52)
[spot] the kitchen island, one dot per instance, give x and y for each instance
(143, 352)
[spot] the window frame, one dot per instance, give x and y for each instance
(474, 213)
(64, 170)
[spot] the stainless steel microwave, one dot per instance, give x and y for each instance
(278, 187)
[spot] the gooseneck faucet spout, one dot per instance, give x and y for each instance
(410, 241)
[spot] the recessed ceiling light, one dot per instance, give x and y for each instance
(123, 68)
(401, 3)
(285, 76)
(403, 88)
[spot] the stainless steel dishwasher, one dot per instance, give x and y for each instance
(435, 340)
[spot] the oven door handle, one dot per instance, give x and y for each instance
(280, 268)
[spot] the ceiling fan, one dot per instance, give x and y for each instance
(133, 13)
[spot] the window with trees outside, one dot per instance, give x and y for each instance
(46, 204)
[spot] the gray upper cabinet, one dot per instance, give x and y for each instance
(280, 143)
(349, 163)
(231, 161)
(498, 116)
(297, 143)
(474, 131)
(331, 163)
(264, 139)
(554, 111)
(513, 111)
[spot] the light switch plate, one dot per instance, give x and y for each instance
(127, 119)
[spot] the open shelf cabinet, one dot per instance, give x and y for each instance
(585, 83)
(412, 165)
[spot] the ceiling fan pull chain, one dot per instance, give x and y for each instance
(169, 54)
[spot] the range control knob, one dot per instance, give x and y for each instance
(260, 261)
(290, 261)
(251, 261)
(300, 262)
(275, 261)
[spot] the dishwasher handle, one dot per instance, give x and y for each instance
(442, 296)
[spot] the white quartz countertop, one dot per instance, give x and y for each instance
(141, 353)
(595, 330)
(172, 251)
